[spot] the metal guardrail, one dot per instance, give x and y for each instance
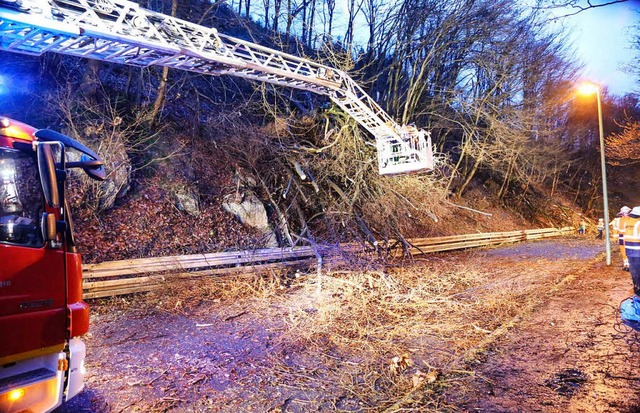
(455, 242)
(112, 278)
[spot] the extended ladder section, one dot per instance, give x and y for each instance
(120, 31)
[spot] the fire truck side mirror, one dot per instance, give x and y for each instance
(90, 162)
(49, 227)
(93, 167)
(47, 169)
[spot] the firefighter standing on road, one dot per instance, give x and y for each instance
(582, 228)
(600, 228)
(632, 246)
(618, 225)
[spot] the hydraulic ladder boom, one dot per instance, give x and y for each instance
(120, 31)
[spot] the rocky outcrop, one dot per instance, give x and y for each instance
(186, 200)
(250, 211)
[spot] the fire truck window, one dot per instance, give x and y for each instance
(21, 200)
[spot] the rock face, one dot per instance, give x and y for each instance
(101, 196)
(250, 211)
(186, 200)
(119, 181)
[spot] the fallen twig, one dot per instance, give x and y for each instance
(469, 209)
(232, 317)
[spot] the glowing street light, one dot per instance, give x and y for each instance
(589, 89)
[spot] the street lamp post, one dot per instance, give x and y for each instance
(589, 89)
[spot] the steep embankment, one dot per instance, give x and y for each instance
(149, 221)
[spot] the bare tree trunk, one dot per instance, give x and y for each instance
(554, 183)
(331, 8)
(505, 181)
(282, 223)
(311, 23)
(371, 14)
(348, 36)
(266, 4)
(290, 16)
(162, 87)
(470, 176)
(593, 196)
(277, 5)
(304, 23)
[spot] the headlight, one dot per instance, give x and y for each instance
(15, 395)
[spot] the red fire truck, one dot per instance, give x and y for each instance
(42, 313)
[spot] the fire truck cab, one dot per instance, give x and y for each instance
(42, 314)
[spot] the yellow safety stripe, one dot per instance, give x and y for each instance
(31, 354)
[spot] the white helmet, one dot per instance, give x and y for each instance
(635, 212)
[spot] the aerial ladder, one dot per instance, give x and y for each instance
(120, 31)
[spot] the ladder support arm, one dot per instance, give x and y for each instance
(121, 31)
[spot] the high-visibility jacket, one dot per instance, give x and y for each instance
(619, 226)
(632, 237)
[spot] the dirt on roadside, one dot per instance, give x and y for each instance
(569, 355)
(527, 327)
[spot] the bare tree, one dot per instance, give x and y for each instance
(330, 9)
(311, 23)
(305, 28)
(277, 5)
(634, 67)
(484, 76)
(354, 7)
(623, 148)
(371, 12)
(290, 16)
(574, 7)
(308, 20)
(266, 4)
(164, 78)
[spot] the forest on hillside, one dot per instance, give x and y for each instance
(492, 81)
